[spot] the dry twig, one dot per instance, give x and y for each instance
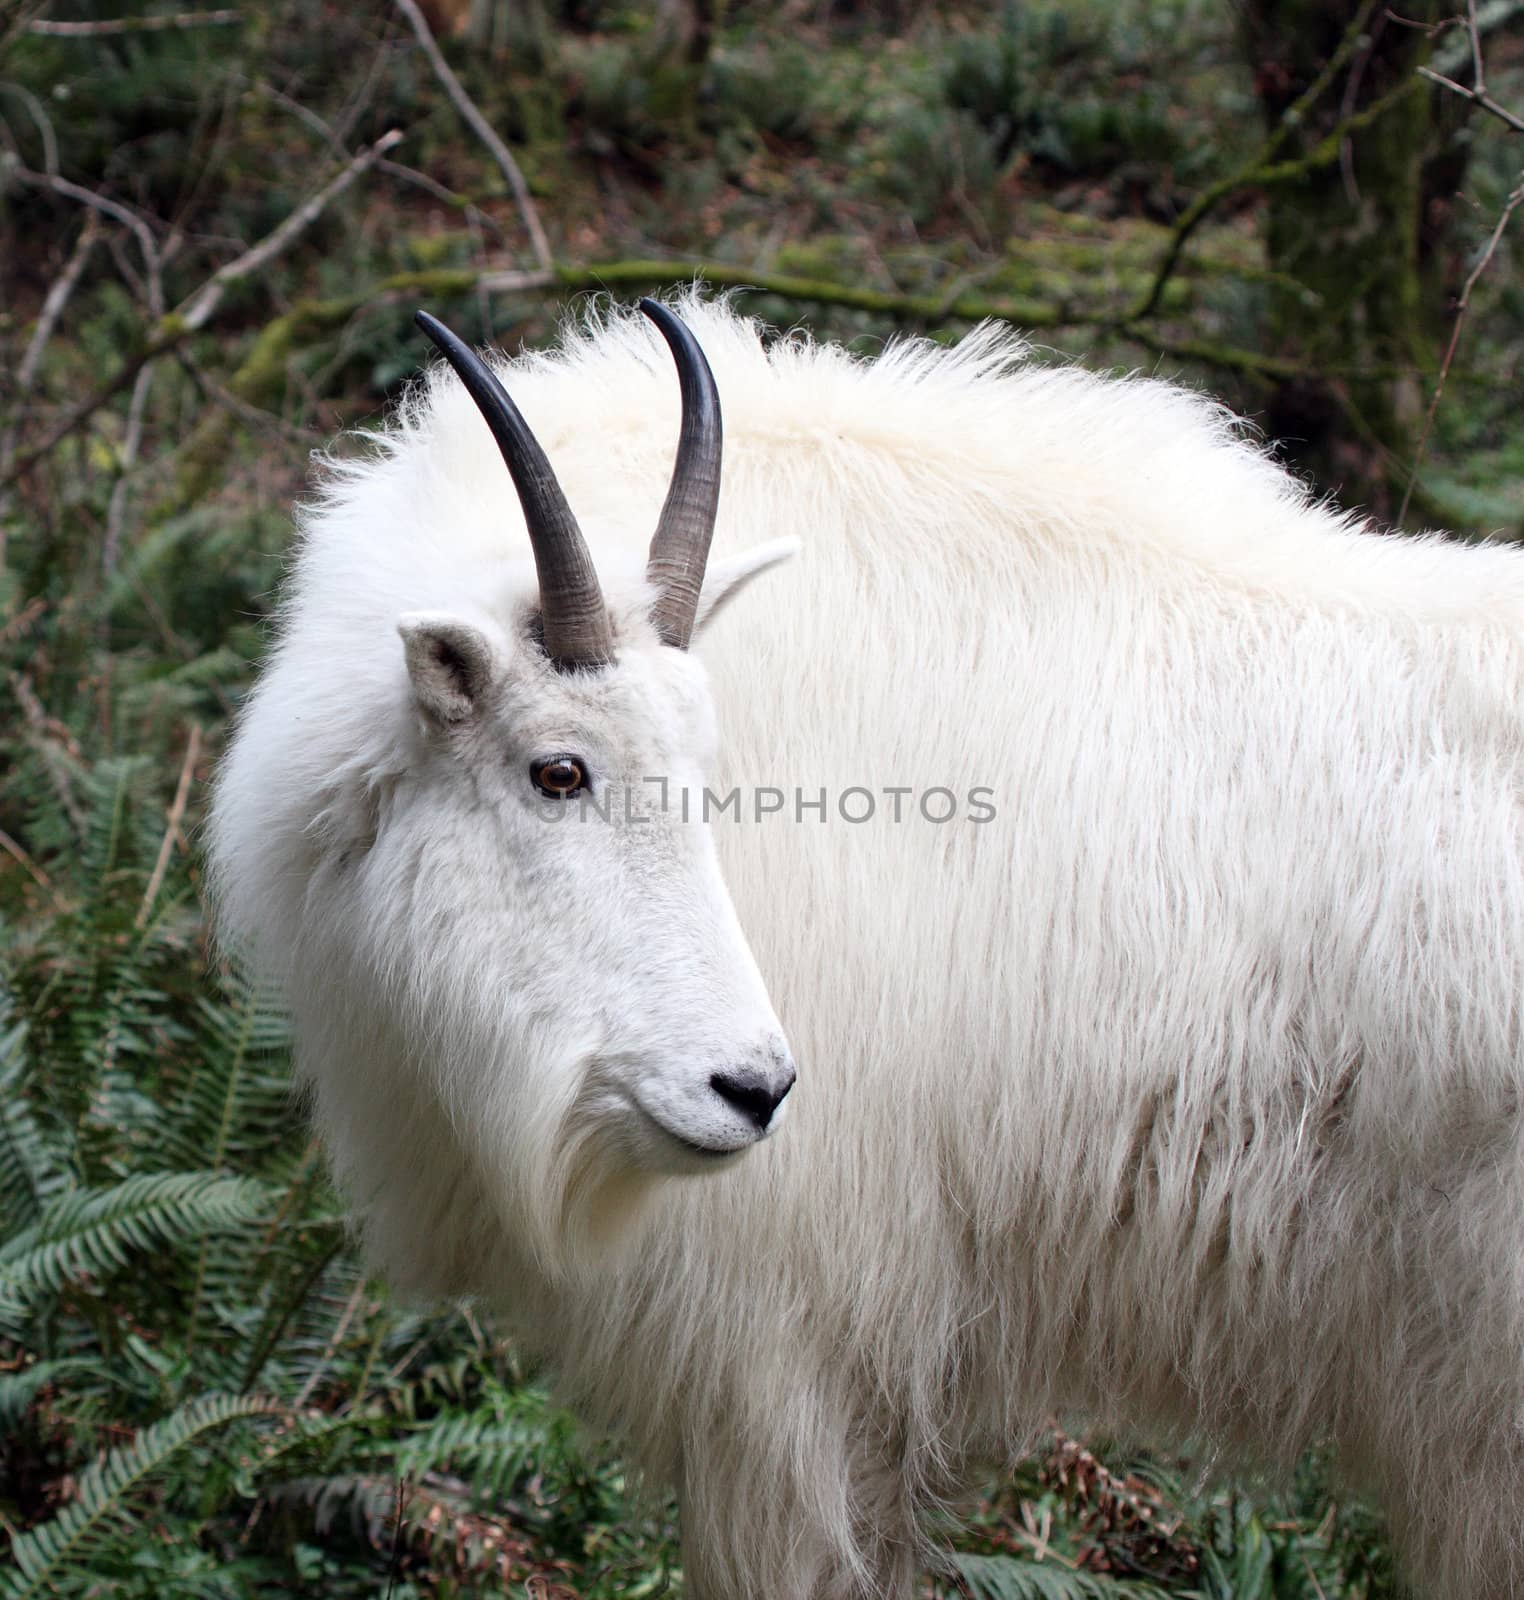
(151, 24)
(1477, 97)
(132, 441)
(25, 862)
(395, 169)
(1509, 207)
(197, 308)
(171, 827)
(58, 295)
(1477, 94)
(55, 744)
(483, 130)
(97, 202)
(318, 1372)
(19, 21)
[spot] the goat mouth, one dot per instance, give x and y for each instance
(706, 1152)
(714, 1152)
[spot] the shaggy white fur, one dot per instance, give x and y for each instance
(1180, 1095)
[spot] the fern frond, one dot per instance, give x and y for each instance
(19, 1389)
(31, 1169)
(96, 1230)
(238, 1103)
(306, 1437)
(496, 1444)
(1010, 1578)
(325, 1240)
(43, 1555)
(1249, 1572)
(365, 1502)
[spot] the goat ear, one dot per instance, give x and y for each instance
(451, 663)
(725, 579)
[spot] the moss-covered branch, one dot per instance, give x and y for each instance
(1255, 171)
(261, 374)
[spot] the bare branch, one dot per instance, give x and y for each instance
(1489, 17)
(344, 123)
(483, 130)
(116, 511)
(40, 120)
(320, 1368)
(1476, 96)
(1210, 198)
(18, 855)
(250, 415)
(1510, 206)
(1347, 103)
(107, 207)
(153, 24)
(58, 295)
(12, 28)
(166, 337)
(54, 743)
(172, 826)
(53, 305)
(459, 202)
(1478, 71)
(304, 114)
(395, 169)
(197, 309)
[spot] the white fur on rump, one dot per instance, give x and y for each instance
(1183, 1096)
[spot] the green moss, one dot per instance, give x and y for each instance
(435, 249)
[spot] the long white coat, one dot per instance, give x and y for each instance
(1182, 1094)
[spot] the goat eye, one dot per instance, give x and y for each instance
(559, 777)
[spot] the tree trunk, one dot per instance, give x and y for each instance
(1360, 302)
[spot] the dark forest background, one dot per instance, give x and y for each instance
(214, 227)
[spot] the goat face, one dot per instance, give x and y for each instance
(539, 915)
(555, 820)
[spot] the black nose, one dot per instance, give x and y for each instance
(753, 1094)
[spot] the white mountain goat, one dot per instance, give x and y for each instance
(1172, 1082)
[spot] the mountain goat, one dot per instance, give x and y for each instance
(1127, 850)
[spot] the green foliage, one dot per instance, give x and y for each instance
(1102, 1523)
(1030, 83)
(78, 1537)
(928, 157)
(93, 1232)
(1007, 1578)
(781, 88)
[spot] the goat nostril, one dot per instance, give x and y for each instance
(750, 1096)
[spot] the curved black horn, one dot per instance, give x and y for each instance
(576, 620)
(686, 526)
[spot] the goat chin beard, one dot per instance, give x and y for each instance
(604, 1201)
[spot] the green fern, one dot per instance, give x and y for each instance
(503, 1436)
(50, 1554)
(19, 1390)
(1247, 1571)
(95, 1231)
(31, 1171)
(237, 1104)
(1010, 1578)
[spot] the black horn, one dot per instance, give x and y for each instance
(680, 548)
(576, 621)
